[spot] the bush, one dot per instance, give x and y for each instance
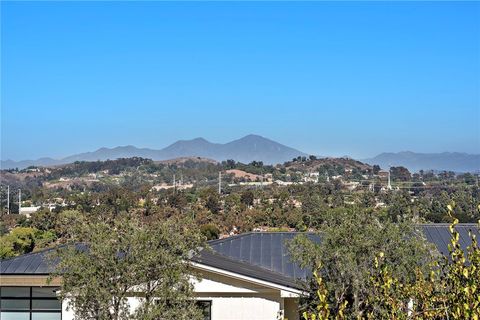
(210, 231)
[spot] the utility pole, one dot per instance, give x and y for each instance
(373, 184)
(389, 186)
(8, 199)
(219, 182)
(174, 184)
(19, 201)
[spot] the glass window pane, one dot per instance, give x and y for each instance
(46, 316)
(205, 307)
(44, 292)
(15, 315)
(16, 292)
(46, 305)
(15, 304)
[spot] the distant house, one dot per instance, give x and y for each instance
(383, 173)
(248, 276)
(29, 210)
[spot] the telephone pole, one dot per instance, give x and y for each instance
(389, 186)
(19, 201)
(219, 182)
(8, 199)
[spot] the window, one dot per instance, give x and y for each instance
(30, 303)
(206, 307)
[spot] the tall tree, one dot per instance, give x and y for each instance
(350, 239)
(110, 261)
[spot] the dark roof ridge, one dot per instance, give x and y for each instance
(238, 236)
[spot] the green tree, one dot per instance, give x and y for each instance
(23, 240)
(109, 260)
(400, 173)
(210, 231)
(213, 203)
(350, 239)
(247, 197)
(43, 219)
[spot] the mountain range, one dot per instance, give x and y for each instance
(445, 161)
(246, 149)
(255, 147)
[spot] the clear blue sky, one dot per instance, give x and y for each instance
(326, 78)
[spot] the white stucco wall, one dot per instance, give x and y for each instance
(244, 308)
(234, 299)
(68, 314)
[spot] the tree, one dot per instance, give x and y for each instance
(210, 231)
(400, 173)
(213, 203)
(23, 240)
(43, 219)
(247, 198)
(350, 239)
(177, 200)
(448, 291)
(109, 260)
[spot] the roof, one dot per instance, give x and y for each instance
(213, 259)
(439, 235)
(260, 255)
(267, 250)
(34, 263)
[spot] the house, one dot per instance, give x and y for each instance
(247, 276)
(29, 210)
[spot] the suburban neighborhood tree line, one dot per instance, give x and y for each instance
(373, 272)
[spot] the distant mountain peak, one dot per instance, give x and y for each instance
(253, 136)
(249, 148)
(200, 139)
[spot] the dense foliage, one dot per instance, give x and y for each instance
(344, 257)
(313, 189)
(444, 288)
(108, 261)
